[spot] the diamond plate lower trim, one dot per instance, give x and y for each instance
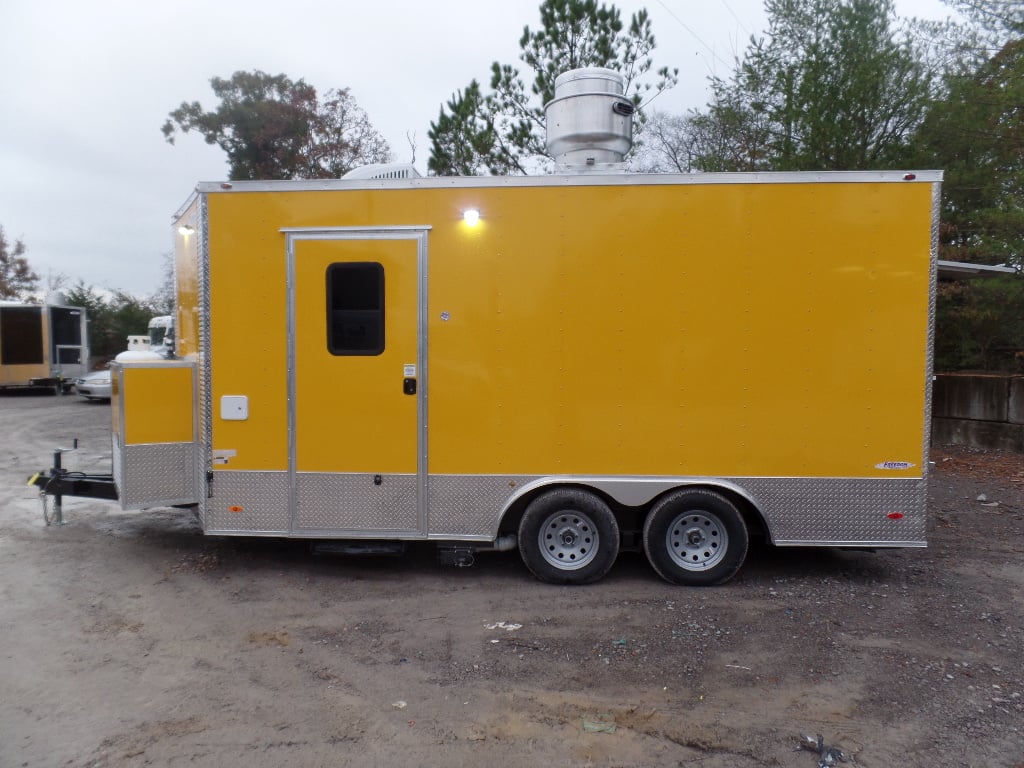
(824, 511)
(839, 510)
(154, 474)
(470, 505)
(354, 502)
(796, 511)
(248, 502)
(807, 510)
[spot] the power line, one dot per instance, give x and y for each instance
(695, 36)
(738, 21)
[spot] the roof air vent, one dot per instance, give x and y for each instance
(383, 171)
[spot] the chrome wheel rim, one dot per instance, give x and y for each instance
(568, 540)
(697, 540)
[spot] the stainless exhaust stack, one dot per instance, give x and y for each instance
(590, 121)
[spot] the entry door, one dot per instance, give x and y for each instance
(69, 351)
(357, 382)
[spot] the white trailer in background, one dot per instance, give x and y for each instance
(159, 336)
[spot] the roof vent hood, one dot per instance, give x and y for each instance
(590, 121)
(383, 171)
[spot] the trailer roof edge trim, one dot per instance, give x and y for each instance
(574, 180)
(185, 206)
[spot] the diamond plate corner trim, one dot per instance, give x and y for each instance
(932, 299)
(117, 466)
(155, 474)
(248, 503)
(354, 502)
(204, 458)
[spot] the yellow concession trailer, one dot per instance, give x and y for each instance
(42, 345)
(569, 364)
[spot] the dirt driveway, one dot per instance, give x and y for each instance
(130, 639)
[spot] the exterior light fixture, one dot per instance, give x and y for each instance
(185, 230)
(471, 216)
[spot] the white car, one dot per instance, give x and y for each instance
(94, 386)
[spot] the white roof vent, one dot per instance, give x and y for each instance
(590, 121)
(384, 171)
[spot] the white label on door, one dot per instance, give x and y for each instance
(410, 371)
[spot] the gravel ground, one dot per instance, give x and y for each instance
(130, 639)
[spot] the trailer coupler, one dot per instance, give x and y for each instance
(59, 482)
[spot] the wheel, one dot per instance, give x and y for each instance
(568, 536)
(695, 537)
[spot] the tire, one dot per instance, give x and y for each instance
(695, 538)
(568, 536)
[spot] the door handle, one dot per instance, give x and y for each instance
(409, 386)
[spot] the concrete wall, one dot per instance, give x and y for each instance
(979, 410)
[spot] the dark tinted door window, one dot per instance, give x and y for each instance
(355, 308)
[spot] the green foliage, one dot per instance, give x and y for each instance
(976, 133)
(979, 325)
(271, 127)
(112, 318)
(506, 126)
(831, 86)
(464, 141)
(989, 26)
(16, 276)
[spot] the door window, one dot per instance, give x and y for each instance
(355, 308)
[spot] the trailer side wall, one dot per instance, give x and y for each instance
(766, 335)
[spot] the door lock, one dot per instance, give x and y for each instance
(409, 386)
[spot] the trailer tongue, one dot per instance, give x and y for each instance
(59, 482)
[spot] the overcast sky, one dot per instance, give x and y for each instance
(86, 178)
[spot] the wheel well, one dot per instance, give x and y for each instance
(631, 519)
(514, 513)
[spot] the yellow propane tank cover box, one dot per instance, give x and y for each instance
(154, 432)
